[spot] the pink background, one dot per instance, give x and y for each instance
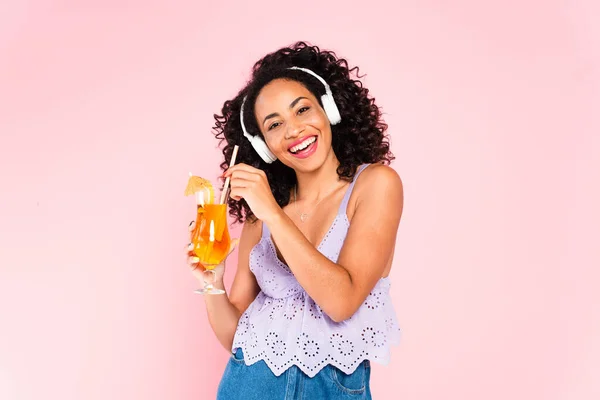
(493, 113)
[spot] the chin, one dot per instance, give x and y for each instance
(314, 163)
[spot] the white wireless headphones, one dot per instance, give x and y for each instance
(331, 110)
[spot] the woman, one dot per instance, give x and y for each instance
(309, 307)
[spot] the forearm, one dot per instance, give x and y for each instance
(327, 283)
(223, 316)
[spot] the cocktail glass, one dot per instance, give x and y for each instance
(211, 241)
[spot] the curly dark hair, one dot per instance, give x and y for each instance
(359, 138)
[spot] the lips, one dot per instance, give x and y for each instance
(300, 141)
(308, 151)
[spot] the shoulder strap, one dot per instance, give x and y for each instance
(265, 231)
(346, 198)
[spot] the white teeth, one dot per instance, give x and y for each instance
(303, 145)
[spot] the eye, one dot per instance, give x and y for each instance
(304, 109)
(273, 126)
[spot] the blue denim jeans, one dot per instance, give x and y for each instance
(256, 382)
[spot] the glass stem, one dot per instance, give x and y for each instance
(209, 283)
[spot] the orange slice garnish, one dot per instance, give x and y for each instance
(196, 184)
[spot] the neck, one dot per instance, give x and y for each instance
(320, 182)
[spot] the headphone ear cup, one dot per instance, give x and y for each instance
(331, 109)
(262, 149)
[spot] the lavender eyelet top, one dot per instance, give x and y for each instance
(284, 326)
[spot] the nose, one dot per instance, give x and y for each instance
(294, 128)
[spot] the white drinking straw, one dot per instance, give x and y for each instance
(231, 164)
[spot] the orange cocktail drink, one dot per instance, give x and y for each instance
(210, 237)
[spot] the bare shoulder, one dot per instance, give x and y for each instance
(380, 181)
(377, 187)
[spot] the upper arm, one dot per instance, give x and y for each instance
(245, 288)
(369, 244)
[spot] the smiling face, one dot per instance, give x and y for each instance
(294, 124)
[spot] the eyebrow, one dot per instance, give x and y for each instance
(292, 104)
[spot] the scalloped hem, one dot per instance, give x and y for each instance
(312, 372)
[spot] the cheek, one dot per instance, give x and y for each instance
(319, 120)
(272, 141)
(320, 123)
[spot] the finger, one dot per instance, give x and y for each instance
(253, 176)
(193, 261)
(241, 183)
(238, 193)
(191, 226)
(189, 247)
(236, 167)
(195, 265)
(241, 167)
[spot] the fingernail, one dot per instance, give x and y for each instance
(192, 225)
(190, 246)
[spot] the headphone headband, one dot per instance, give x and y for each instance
(308, 71)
